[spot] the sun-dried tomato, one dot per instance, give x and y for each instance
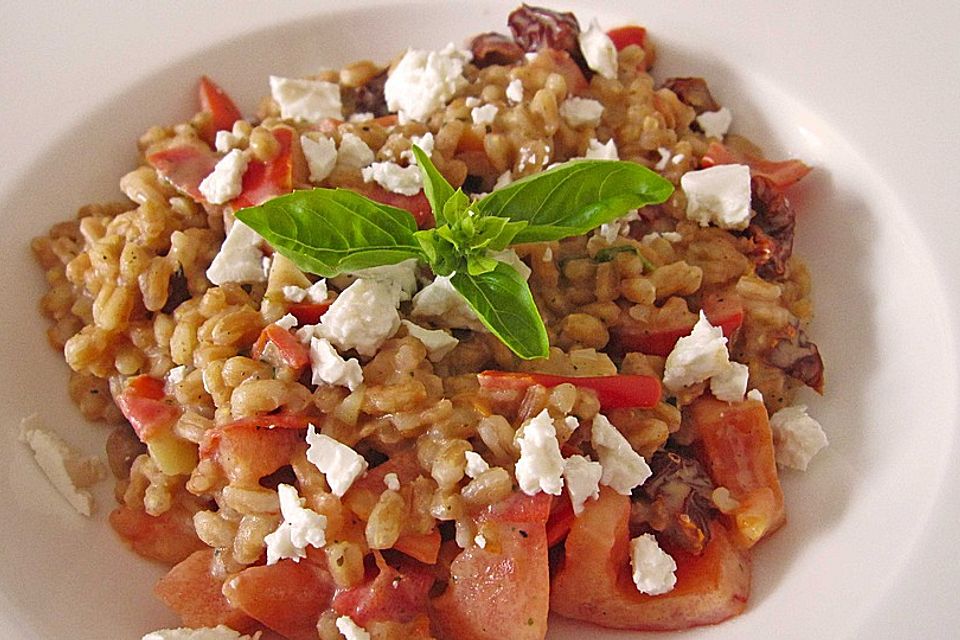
(494, 48)
(536, 28)
(693, 92)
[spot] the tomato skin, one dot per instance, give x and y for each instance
(614, 392)
(223, 112)
(594, 582)
(395, 595)
(265, 180)
(505, 594)
(292, 352)
(167, 538)
(192, 591)
(782, 173)
(184, 166)
(308, 312)
(623, 37)
(736, 446)
(248, 452)
(417, 205)
(142, 402)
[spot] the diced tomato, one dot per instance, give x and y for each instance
(223, 113)
(503, 594)
(594, 582)
(613, 392)
(417, 205)
(193, 591)
(561, 519)
(424, 547)
(782, 174)
(396, 594)
(724, 311)
(288, 596)
(623, 37)
(736, 446)
(265, 180)
(292, 352)
(248, 453)
(184, 166)
(366, 490)
(271, 421)
(562, 63)
(143, 403)
(168, 538)
(308, 312)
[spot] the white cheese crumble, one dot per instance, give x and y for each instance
(480, 541)
(339, 463)
(391, 481)
(654, 571)
(582, 477)
(719, 195)
(287, 322)
(395, 178)
(664, 158)
(240, 258)
(68, 471)
(669, 236)
(540, 467)
(354, 152)
(485, 114)
(426, 143)
(730, 384)
(301, 527)
(612, 230)
(402, 274)
(581, 111)
(623, 468)
(219, 632)
(471, 102)
(475, 464)
(696, 357)
(503, 180)
(225, 182)
(423, 81)
(233, 139)
(755, 395)
(321, 156)
(510, 257)
(437, 342)
(599, 51)
(797, 437)
(715, 124)
(363, 316)
(350, 629)
(176, 375)
(441, 303)
(317, 292)
(515, 91)
(360, 116)
(328, 367)
(602, 151)
(309, 100)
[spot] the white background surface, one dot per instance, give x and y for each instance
(866, 93)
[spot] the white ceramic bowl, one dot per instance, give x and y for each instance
(865, 94)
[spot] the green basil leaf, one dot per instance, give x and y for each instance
(330, 231)
(575, 197)
(478, 264)
(456, 207)
(438, 252)
(504, 304)
(494, 233)
(435, 187)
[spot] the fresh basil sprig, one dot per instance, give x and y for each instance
(330, 231)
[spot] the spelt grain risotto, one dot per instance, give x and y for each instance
(429, 349)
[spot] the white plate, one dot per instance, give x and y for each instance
(868, 94)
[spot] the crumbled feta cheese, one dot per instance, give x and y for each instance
(392, 481)
(317, 292)
(669, 236)
(339, 463)
(598, 151)
(321, 156)
(540, 467)
(350, 629)
(719, 195)
(715, 124)
(653, 568)
(402, 274)
(330, 368)
(623, 468)
(475, 464)
(515, 91)
(581, 111)
(176, 375)
(485, 114)
(612, 230)
(423, 81)
(664, 158)
(360, 116)
(438, 342)
(363, 317)
(471, 102)
(233, 139)
(696, 357)
(480, 541)
(219, 632)
(426, 144)
(796, 437)
(582, 477)
(755, 395)
(677, 159)
(599, 51)
(441, 303)
(310, 100)
(301, 527)
(730, 384)
(225, 182)
(354, 152)
(503, 180)
(510, 257)
(392, 177)
(240, 258)
(68, 471)
(287, 322)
